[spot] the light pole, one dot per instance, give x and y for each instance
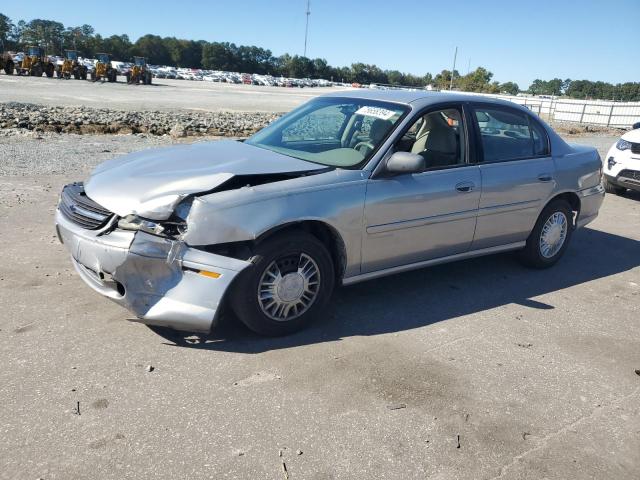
(455, 55)
(306, 28)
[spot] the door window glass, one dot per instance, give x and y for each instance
(509, 135)
(438, 136)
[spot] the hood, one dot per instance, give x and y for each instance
(632, 136)
(152, 182)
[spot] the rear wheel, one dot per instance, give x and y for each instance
(550, 236)
(36, 71)
(288, 285)
(49, 69)
(8, 68)
(611, 188)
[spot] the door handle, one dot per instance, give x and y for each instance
(465, 187)
(545, 177)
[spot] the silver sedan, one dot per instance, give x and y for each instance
(348, 187)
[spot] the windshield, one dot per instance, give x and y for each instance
(334, 131)
(72, 55)
(139, 61)
(103, 58)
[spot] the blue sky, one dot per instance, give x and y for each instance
(516, 40)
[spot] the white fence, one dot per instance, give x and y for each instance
(592, 112)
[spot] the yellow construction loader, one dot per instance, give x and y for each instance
(103, 70)
(71, 67)
(140, 72)
(35, 63)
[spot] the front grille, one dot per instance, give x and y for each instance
(631, 174)
(635, 148)
(80, 209)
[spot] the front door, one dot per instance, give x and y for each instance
(416, 217)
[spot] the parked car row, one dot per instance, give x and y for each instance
(234, 77)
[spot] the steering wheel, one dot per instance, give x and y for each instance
(359, 145)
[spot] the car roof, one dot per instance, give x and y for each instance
(417, 98)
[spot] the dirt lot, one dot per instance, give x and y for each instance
(475, 370)
(163, 95)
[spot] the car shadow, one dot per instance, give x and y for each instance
(631, 195)
(431, 295)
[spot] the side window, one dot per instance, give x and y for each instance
(439, 136)
(323, 124)
(509, 135)
(540, 139)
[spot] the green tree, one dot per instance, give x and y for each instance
(217, 56)
(6, 28)
(153, 48)
(510, 88)
(45, 33)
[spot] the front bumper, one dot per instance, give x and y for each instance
(155, 278)
(624, 182)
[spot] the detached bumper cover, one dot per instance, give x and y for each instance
(590, 202)
(155, 278)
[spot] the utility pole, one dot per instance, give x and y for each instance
(455, 55)
(306, 28)
(469, 66)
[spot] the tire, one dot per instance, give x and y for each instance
(293, 252)
(8, 68)
(613, 189)
(36, 71)
(49, 69)
(534, 253)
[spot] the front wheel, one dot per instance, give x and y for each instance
(550, 236)
(288, 285)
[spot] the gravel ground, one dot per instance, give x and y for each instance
(479, 369)
(164, 95)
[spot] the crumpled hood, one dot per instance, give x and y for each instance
(152, 182)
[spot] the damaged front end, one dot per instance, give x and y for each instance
(144, 265)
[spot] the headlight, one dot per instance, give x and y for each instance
(133, 222)
(611, 162)
(623, 145)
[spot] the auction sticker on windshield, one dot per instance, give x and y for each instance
(377, 112)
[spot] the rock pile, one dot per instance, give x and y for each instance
(85, 120)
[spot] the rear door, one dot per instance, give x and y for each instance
(517, 173)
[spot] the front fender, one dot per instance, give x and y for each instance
(247, 213)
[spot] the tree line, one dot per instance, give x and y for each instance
(55, 38)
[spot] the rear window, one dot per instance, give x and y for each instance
(510, 135)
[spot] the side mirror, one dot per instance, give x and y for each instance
(635, 125)
(405, 162)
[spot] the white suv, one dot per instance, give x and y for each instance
(622, 163)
